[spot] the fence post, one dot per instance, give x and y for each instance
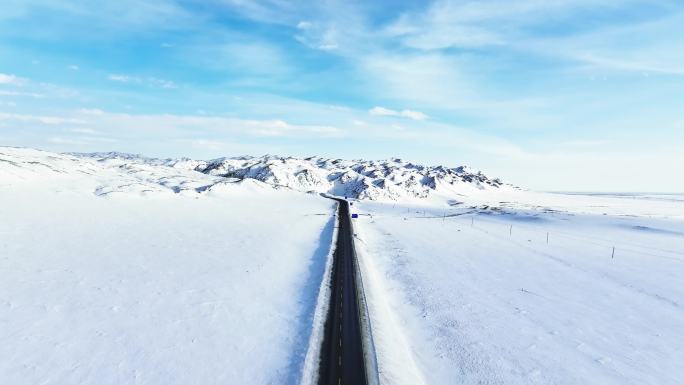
(613, 254)
(547, 238)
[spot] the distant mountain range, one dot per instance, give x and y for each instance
(391, 179)
(114, 172)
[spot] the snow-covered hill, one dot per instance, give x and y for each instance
(101, 175)
(392, 179)
(112, 173)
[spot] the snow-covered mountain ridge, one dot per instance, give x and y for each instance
(391, 179)
(114, 172)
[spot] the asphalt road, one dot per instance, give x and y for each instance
(342, 360)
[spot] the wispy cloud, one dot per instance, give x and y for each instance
(304, 25)
(111, 18)
(111, 122)
(11, 79)
(84, 130)
(553, 29)
(322, 37)
(616, 49)
(642, 65)
(119, 78)
(163, 83)
(410, 114)
(149, 81)
(43, 119)
(19, 93)
(446, 23)
(433, 79)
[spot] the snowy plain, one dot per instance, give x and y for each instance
(119, 273)
(472, 293)
(123, 269)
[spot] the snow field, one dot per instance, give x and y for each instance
(155, 287)
(118, 269)
(466, 299)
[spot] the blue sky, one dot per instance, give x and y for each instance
(553, 95)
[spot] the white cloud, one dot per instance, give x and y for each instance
(119, 78)
(251, 127)
(281, 128)
(11, 79)
(644, 65)
(113, 18)
(446, 23)
(48, 120)
(431, 79)
(150, 81)
(15, 93)
(113, 122)
(382, 111)
(415, 115)
(336, 107)
(410, 114)
(441, 34)
(161, 83)
(325, 41)
(304, 25)
(615, 49)
(84, 130)
(91, 111)
(348, 25)
(612, 47)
